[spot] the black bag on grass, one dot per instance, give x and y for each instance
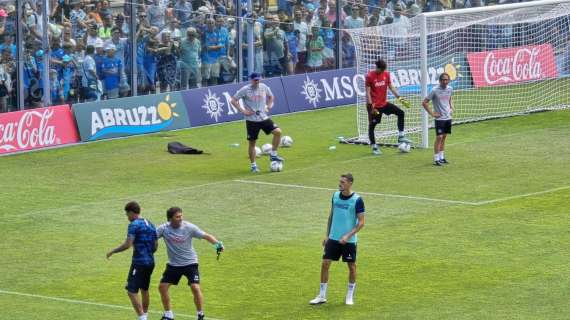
(178, 148)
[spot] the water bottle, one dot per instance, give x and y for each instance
(234, 145)
(332, 148)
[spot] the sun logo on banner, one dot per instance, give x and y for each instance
(311, 91)
(452, 69)
(165, 109)
(213, 105)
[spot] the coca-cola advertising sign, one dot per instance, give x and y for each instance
(37, 128)
(512, 65)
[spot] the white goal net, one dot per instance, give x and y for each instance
(502, 60)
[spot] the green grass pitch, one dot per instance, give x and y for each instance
(485, 237)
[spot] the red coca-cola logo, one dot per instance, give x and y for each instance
(38, 128)
(512, 65)
(522, 66)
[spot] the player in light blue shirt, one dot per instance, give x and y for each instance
(345, 220)
(440, 96)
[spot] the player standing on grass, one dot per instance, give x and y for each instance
(141, 235)
(345, 220)
(258, 101)
(442, 110)
(182, 258)
(377, 84)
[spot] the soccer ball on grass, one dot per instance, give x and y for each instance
(276, 166)
(286, 141)
(404, 147)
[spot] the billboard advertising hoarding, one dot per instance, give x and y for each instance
(37, 128)
(212, 105)
(130, 116)
(512, 65)
(323, 89)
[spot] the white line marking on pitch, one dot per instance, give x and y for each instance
(105, 305)
(524, 195)
(479, 203)
(128, 197)
(365, 193)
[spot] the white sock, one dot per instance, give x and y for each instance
(253, 164)
(323, 291)
(441, 157)
(143, 317)
(350, 292)
(200, 313)
(169, 314)
(400, 133)
(273, 153)
(436, 157)
(375, 146)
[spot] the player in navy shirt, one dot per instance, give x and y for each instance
(141, 235)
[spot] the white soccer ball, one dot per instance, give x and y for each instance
(258, 152)
(286, 141)
(266, 148)
(276, 166)
(404, 147)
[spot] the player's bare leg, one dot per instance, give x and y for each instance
(275, 145)
(276, 139)
(436, 150)
(322, 297)
(135, 301)
(351, 283)
(198, 298)
(251, 154)
(442, 149)
(325, 266)
(165, 298)
(145, 300)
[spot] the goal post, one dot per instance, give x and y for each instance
(503, 60)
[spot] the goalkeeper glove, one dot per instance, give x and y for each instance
(404, 102)
(219, 248)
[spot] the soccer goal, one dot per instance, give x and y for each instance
(503, 61)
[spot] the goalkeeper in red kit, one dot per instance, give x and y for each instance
(377, 84)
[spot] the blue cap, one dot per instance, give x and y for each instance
(255, 76)
(40, 53)
(66, 58)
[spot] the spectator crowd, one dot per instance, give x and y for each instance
(180, 44)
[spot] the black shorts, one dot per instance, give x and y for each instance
(333, 251)
(442, 127)
(173, 274)
(139, 278)
(253, 128)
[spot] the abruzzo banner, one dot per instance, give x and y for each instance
(405, 75)
(323, 89)
(37, 128)
(211, 105)
(512, 65)
(130, 116)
